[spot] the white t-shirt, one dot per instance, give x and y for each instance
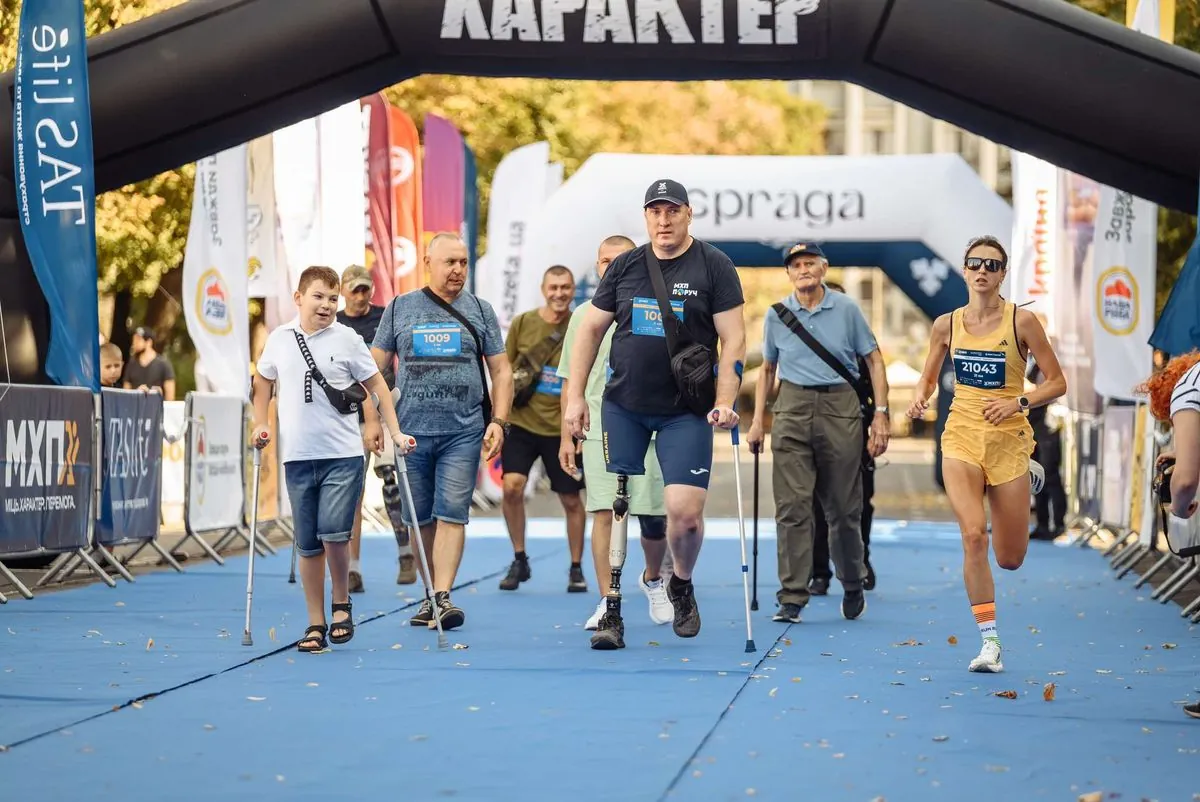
(1186, 394)
(316, 430)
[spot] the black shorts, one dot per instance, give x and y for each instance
(522, 448)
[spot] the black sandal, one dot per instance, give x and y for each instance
(342, 631)
(315, 632)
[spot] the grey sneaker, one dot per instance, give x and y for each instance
(854, 604)
(610, 634)
(788, 613)
(687, 615)
(575, 581)
(408, 570)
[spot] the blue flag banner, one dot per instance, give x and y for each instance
(56, 193)
(1178, 328)
(130, 495)
(470, 210)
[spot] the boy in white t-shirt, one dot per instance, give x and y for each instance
(322, 446)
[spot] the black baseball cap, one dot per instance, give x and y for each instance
(666, 190)
(144, 332)
(804, 249)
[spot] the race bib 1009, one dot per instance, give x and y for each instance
(437, 339)
(647, 318)
(549, 383)
(981, 369)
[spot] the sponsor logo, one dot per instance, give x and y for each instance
(642, 22)
(212, 303)
(403, 166)
(1117, 301)
(818, 208)
(929, 274)
(40, 455)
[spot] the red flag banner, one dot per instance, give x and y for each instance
(405, 158)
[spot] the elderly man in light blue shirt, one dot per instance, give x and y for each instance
(812, 340)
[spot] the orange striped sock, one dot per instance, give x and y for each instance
(985, 618)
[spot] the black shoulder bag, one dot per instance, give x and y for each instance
(487, 398)
(1183, 537)
(347, 401)
(692, 364)
(527, 368)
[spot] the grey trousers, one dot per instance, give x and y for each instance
(816, 443)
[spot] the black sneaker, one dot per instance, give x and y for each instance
(687, 615)
(424, 615)
(452, 617)
(819, 586)
(518, 572)
(576, 583)
(788, 613)
(869, 582)
(854, 604)
(1192, 710)
(610, 634)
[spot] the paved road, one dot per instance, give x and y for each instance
(905, 485)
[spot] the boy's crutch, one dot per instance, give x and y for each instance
(426, 570)
(247, 639)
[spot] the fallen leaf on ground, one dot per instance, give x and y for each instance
(1006, 694)
(461, 646)
(150, 644)
(1058, 673)
(995, 769)
(1092, 796)
(795, 679)
(473, 709)
(953, 641)
(1147, 730)
(1048, 691)
(1170, 645)
(397, 646)
(652, 643)
(941, 738)
(119, 604)
(310, 685)
(909, 642)
(271, 633)
(787, 641)
(772, 692)
(138, 706)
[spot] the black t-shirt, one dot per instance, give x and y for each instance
(702, 282)
(365, 326)
(155, 373)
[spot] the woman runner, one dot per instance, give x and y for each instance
(987, 441)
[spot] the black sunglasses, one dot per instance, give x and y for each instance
(990, 265)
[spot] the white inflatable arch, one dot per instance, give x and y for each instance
(909, 215)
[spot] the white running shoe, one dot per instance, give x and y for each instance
(593, 623)
(988, 661)
(661, 609)
(1037, 477)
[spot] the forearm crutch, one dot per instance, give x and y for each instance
(247, 639)
(426, 570)
(737, 477)
(754, 583)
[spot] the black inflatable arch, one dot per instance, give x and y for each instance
(1041, 76)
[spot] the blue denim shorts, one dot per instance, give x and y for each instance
(442, 473)
(324, 495)
(683, 442)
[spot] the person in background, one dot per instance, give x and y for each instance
(148, 369)
(360, 314)
(111, 363)
(1175, 396)
(1048, 453)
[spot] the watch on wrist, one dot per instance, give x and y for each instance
(884, 410)
(503, 424)
(1023, 402)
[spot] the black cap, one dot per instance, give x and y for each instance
(666, 190)
(804, 249)
(144, 332)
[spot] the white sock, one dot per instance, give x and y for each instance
(406, 550)
(355, 566)
(987, 629)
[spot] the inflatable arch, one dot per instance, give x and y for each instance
(909, 215)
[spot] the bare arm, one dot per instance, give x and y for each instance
(261, 398)
(382, 359)
(500, 370)
(731, 330)
(1030, 330)
(377, 387)
(169, 390)
(879, 382)
(587, 342)
(1186, 476)
(939, 344)
(765, 387)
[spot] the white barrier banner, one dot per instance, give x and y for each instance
(174, 466)
(216, 492)
(1116, 467)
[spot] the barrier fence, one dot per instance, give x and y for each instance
(85, 474)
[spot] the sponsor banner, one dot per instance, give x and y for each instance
(1086, 476)
(214, 272)
(1142, 505)
(47, 489)
(444, 178)
(269, 479)
(408, 203)
(1035, 253)
(339, 155)
(174, 464)
(55, 177)
(215, 489)
(377, 190)
(131, 431)
(1074, 292)
(297, 202)
(1116, 468)
(261, 222)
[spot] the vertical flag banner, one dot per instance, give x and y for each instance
(214, 272)
(1075, 291)
(377, 187)
(470, 210)
(260, 219)
(1178, 328)
(408, 212)
(519, 190)
(56, 191)
(1035, 236)
(1126, 265)
(339, 146)
(444, 177)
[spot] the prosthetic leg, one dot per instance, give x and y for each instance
(611, 632)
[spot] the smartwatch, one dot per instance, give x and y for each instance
(1023, 402)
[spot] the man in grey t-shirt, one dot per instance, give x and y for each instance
(440, 334)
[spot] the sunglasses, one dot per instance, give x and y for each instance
(990, 265)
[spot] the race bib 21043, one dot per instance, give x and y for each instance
(981, 369)
(437, 339)
(647, 318)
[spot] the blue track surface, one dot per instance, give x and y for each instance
(826, 710)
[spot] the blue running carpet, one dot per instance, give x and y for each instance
(146, 693)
